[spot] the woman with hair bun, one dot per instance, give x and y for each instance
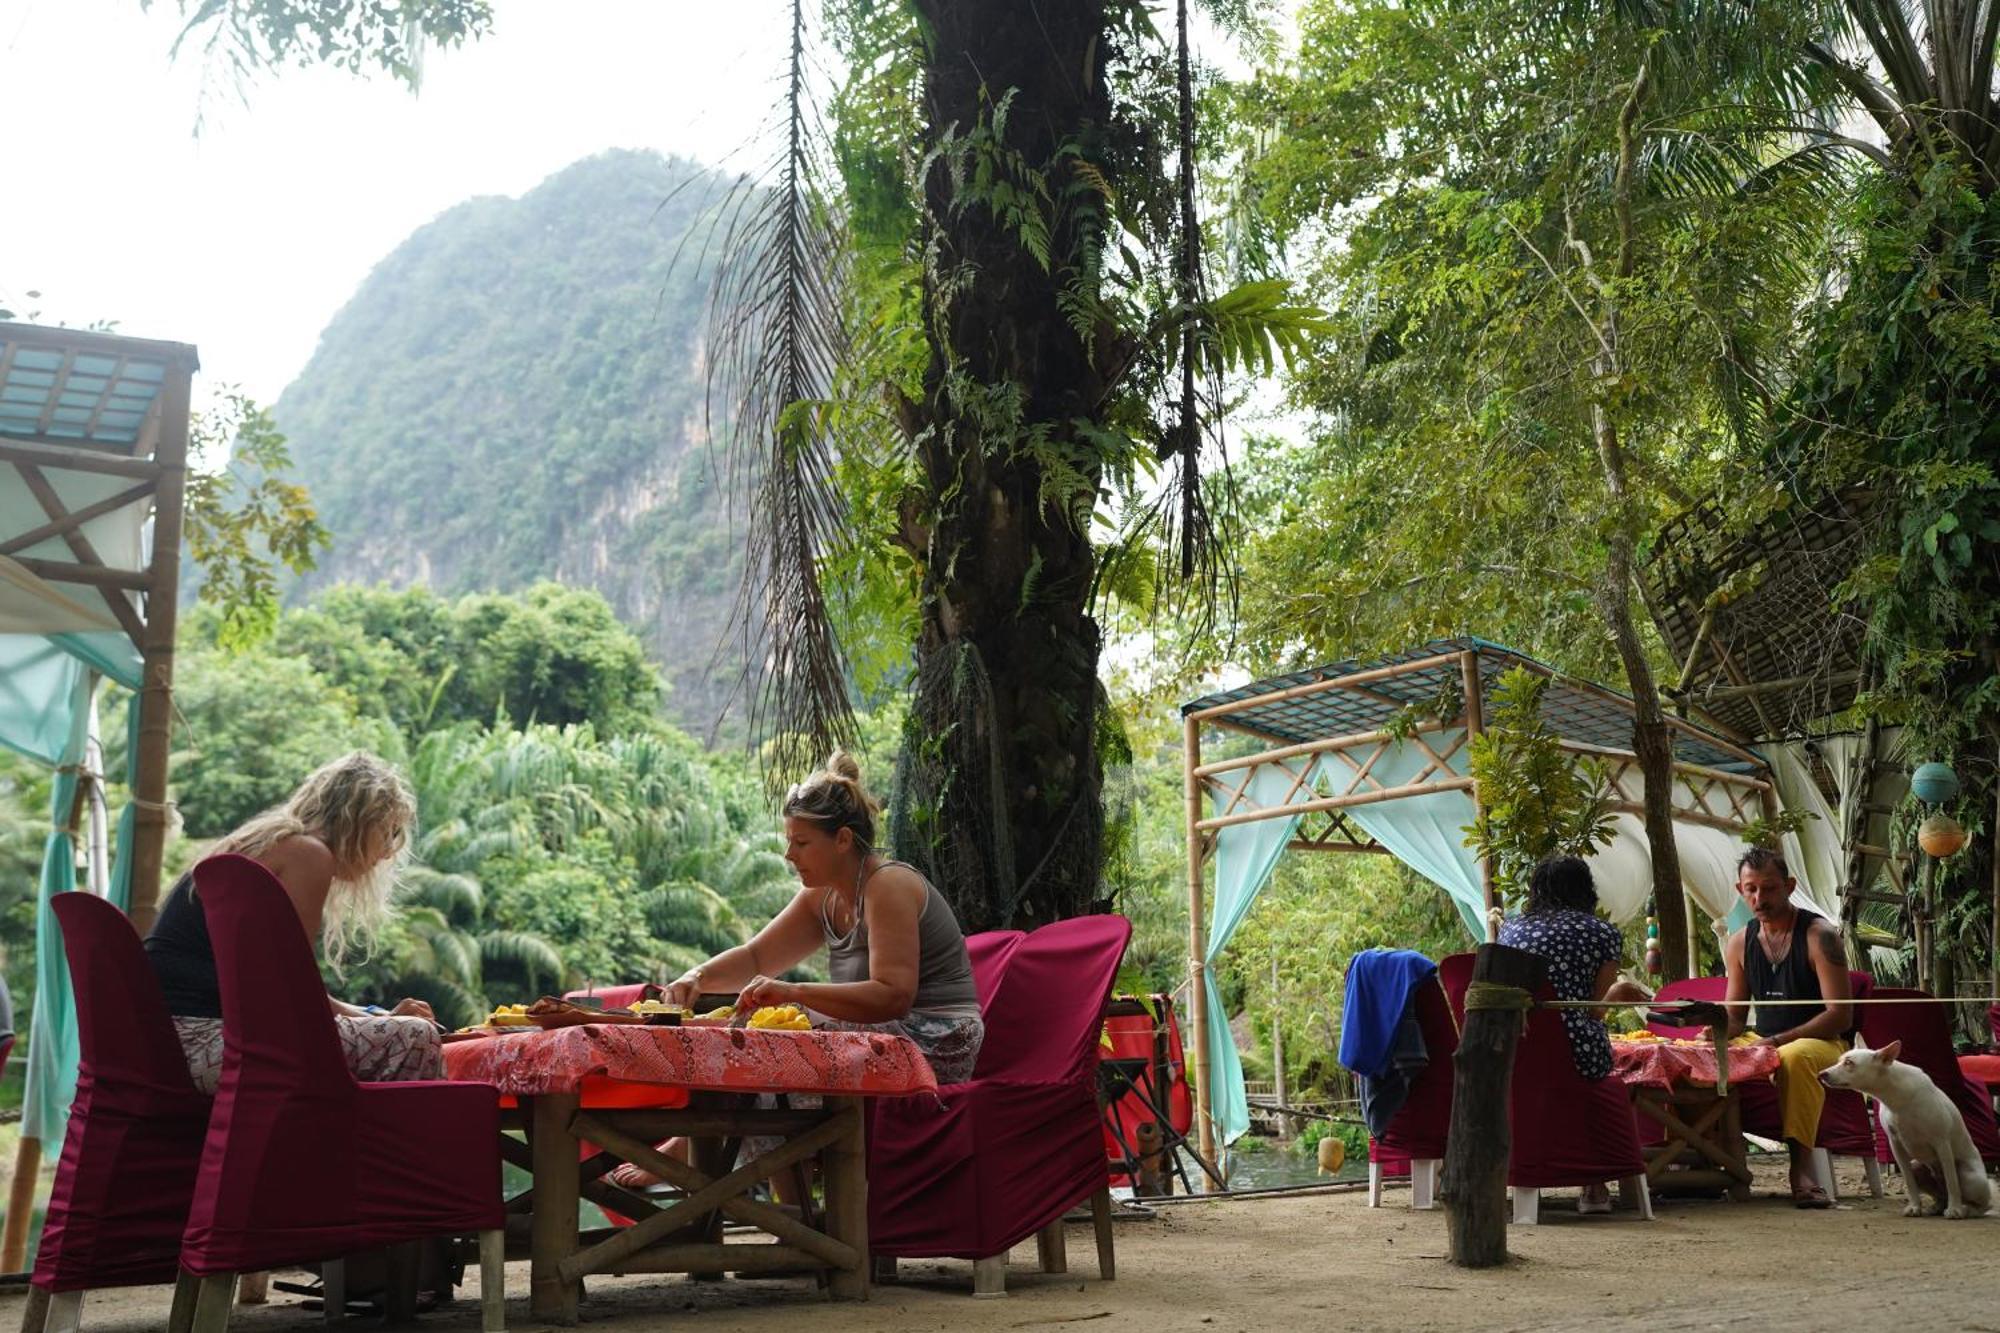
(895, 955)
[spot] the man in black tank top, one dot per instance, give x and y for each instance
(1785, 953)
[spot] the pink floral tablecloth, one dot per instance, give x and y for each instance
(526, 1064)
(1661, 1064)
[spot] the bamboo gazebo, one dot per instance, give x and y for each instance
(93, 453)
(1371, 757)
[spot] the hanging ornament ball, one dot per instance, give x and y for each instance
(1653, 956)
(1652, 928)
(1934, 783)
(1940, 835)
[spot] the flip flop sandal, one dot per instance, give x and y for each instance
(1812, 1196)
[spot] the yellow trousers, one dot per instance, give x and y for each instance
(1801, 1095)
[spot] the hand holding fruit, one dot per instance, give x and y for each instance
(761, 991)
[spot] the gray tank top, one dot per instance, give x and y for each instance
(944, 971)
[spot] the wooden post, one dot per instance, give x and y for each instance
(155, 703)
(1204, 1119)
(845, 1165)
(1475, 723)
(20, 1204)
(1278, 1051)
(553, 1237)
(1474, 1186)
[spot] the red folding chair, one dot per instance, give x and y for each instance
(1567, 1130)
(1412, 1143)
(302, 1163)
(1925, 1031)
(127, 1173)
(988, 1163)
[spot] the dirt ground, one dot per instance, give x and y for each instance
(1294, 1264)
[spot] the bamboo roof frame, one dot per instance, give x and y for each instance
(91, 420)
(1357, 711)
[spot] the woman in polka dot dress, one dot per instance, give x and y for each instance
(1560, 923)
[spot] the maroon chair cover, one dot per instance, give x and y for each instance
(1567, 1130)
(303, 1163)
(1845, 1127)
(1418, 1128)
(987, 1163)
(1925, 1031)
(990, 952)
(126, 1177)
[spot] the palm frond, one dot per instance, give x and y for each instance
(778, 336)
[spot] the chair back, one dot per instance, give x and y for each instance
(1689, 988)
(127, 1171)
(1421, 1124)
(1925, 1031)
(277, 1023)
(990, 951)
(1043, 1021)
(1568, 1130)
(1455, 974)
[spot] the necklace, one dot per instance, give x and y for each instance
(852, 905)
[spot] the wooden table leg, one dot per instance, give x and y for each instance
(553, 1237)
(1732, 1129)
(846, 1171)
(713, 1157)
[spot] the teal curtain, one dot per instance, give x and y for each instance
(52, 1042)
(1427, 833)
(1245, 855)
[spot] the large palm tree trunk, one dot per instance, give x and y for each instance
(1000, 792)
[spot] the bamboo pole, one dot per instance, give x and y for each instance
(1333, 803)
(149, 786)
(20, 1205)
(1318, 686)
(1197, 948)
(1475, 723)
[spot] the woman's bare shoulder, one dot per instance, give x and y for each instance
(893, 877)
(300, 854)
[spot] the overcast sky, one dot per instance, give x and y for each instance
(247, 239)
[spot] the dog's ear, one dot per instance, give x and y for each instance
(1889, 1053)
(1860, 1042)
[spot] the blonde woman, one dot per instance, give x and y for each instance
(333, 846)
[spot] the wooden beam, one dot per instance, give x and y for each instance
(66, 455)
(76, 518)
(155, 701)
(1337, 802)
(175, 356)
(1308, 845)
(1197, 949)
(1679, 765)
(1351, 742)
(79, 545)
(1682, 816)
(54, 403)
(58, 571)
(1475, 723)
(1320, 686)
(1830, 680)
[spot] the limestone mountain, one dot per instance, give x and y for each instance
(516, 393)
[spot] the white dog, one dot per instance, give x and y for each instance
(1926, 1132)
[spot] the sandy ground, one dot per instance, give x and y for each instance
(1290, 1265)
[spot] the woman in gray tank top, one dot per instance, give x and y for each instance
(896, 958)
